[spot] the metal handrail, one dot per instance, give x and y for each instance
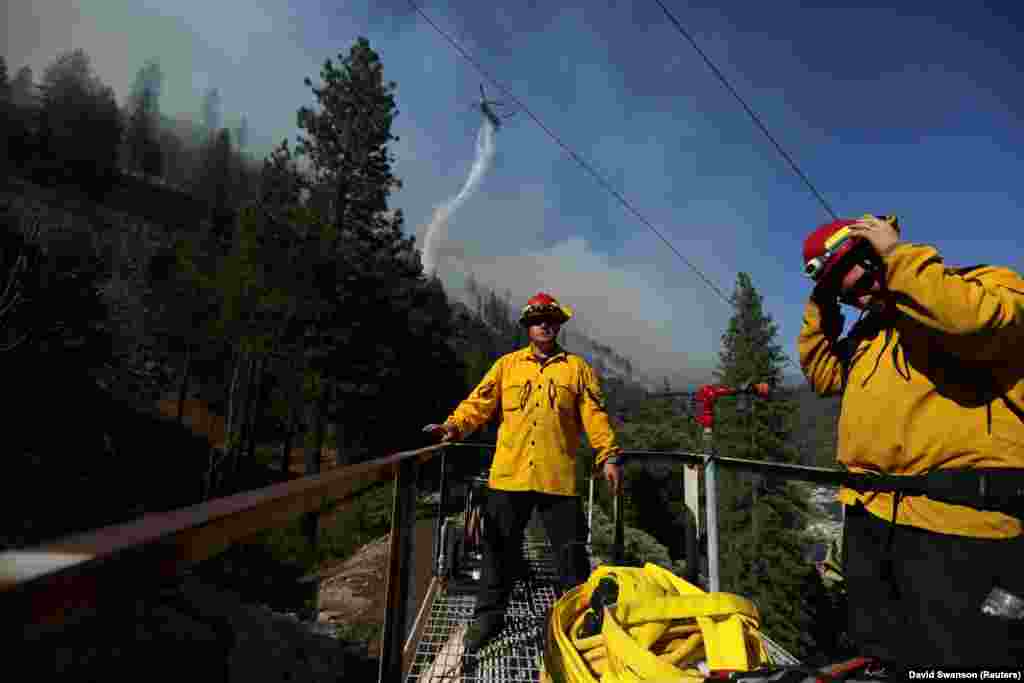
(56, 584)
(45, 585)
(53, 584)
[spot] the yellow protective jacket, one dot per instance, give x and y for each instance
(935, 382)
(543, 407)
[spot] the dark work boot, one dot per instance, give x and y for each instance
(482, 630)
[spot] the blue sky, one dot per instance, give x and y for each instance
(915, 111)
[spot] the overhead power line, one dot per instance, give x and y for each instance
(753, 115)
(577, 158)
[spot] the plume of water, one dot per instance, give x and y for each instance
(443, 212)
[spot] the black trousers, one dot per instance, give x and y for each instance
(506, 514)
(940, 582)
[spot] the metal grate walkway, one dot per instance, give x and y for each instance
(516, 654)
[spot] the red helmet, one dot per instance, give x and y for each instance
(824, 247)
(542, 304)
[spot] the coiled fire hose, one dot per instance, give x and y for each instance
(633, 625)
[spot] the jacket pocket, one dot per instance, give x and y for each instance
(563, 396)
(513, 397)
(513, 401)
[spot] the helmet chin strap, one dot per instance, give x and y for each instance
(863, 286)
(876, 303)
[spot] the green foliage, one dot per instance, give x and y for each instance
(242, 134)
(374, 327)
(81, 128)
(215, 179)
(639, 546)
(360, 632)
(761, 521)
(280, 181)
(52, 307)
(142, 134)
(5, 84)
(815, 434)
(23, 88)
(653, 494)
(212, 111)
(477, 363)
(346, 138)
(56, 309)
(343, 529)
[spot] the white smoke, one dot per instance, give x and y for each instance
(439, 223)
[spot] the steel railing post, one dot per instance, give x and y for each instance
(711, 496)
(691, 510)
(442, 504)
(590, 514)
(618, 550)
(398, 605)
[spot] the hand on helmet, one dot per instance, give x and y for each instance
(882, 235)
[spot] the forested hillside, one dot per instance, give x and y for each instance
(147, 260)
(288, 303)
(815, 432)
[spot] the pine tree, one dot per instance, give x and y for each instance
(762, 522)
(9, 128)
(215, 180)
(242, 136)
(5, 85)
(81, 125)
(281, 184)
(347, 140)
(23, 90)
(142, 135)
(372, 338)
(212, 111)
(173, 156)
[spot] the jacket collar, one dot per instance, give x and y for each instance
(528, 354)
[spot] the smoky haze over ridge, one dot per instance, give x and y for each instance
(625, 93)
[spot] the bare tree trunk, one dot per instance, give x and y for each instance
(753, 509)
(216, 458)
(311, 521)
(334, 425)
(321, 435)
(314, 439)
(292, 427)
(756, 478)
(183, 386)
(230, 425)
(319, 431)
(245, 408)
(341, 454)
(229, 422)
(255, 410)
(289, 439)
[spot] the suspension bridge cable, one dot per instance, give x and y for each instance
(579, 160)
(753, 115)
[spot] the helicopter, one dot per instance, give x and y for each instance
(487, 108)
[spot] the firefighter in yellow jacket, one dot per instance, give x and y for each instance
(545, 396)
(932, 377)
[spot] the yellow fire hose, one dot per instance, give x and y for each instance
(633, 625)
